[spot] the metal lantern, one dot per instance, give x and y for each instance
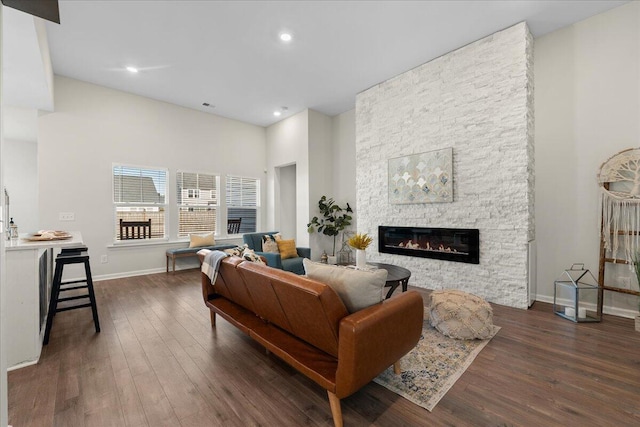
(345, 255)
(577, 296)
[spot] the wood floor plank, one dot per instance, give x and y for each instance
(135, 355)
(222, 414)
(99, 393)
(69, 406)
(157, 408)
(232, 394)
(130, 403)
(158, 362)
(42, 405)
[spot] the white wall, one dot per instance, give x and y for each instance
(94, 127)
(476, 100)
(304, 139)
(20, 165)
(321, 171)
(286, 184)
(20, 169)
(343, 161)
(587, 100)
(288, 144)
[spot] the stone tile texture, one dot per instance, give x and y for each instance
(478, 100)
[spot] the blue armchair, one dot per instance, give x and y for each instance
(254, 241)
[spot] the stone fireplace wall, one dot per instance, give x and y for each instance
(478, 100)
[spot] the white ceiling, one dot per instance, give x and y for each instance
(229, 54)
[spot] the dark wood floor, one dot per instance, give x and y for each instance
(157, 362)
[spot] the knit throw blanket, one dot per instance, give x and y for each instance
(211, 263)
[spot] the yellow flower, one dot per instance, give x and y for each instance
(360, 241)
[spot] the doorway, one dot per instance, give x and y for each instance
(286, 202)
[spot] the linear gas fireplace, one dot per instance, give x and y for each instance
(451, 244)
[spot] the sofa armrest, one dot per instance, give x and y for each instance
(372, 339)
(207, 287)
(304, 252)
(273, 259)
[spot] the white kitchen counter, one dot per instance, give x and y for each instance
(29, 267)
(21, 244)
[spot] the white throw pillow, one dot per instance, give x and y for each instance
(237, 251)
(358, 289)
(270, 244)
(250, 255)
(199, 240)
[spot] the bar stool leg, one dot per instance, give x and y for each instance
(53, 302)
(92, 295)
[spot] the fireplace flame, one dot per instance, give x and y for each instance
(427, 247)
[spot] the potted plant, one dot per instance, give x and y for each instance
(334, 219)
(360, 242)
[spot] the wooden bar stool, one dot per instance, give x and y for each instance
(77, 255)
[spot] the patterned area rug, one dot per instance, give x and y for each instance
(432, 367)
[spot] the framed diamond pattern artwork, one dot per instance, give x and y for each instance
(422, 178)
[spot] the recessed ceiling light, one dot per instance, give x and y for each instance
(281, 111)
(132, 69)
(285, 37)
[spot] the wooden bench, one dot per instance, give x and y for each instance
(191, 252)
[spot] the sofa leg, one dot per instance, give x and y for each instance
(213, 318)
(334, 402)
(396, 368)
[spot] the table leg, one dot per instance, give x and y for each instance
(393, 285)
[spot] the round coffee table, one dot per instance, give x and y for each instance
(396, 276)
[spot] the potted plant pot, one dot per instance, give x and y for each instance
(361, 258)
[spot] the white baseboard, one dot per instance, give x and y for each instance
(21, 365)
(137, 273)
(620, 312)
(127, 274)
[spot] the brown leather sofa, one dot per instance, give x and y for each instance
(305, 323)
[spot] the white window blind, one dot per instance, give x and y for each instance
(198, 202)
(140, 194)
(243, 201)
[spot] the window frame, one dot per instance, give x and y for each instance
(217, 177)
(257, 207)
(116, 205)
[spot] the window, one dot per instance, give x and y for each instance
(140, 194)
(197, 203)
(243, 202)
